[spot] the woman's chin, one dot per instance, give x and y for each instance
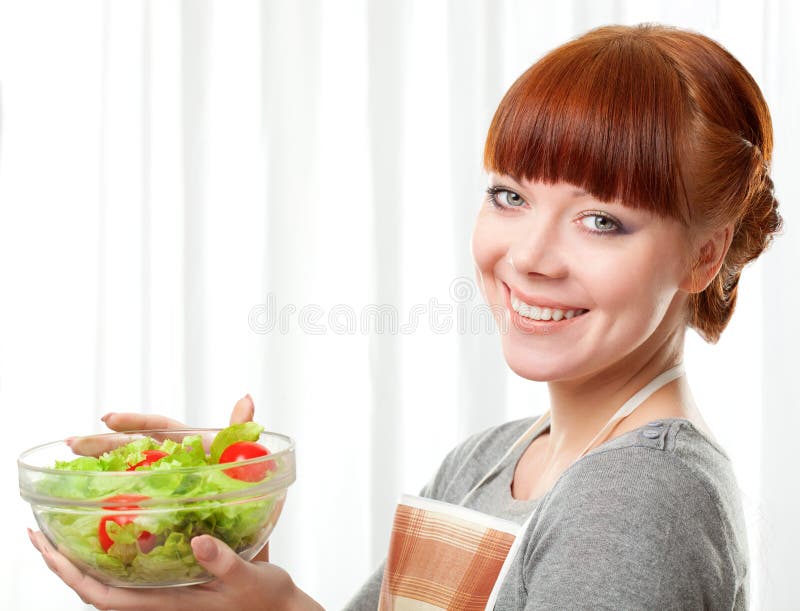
(539, 367)
(531, 370)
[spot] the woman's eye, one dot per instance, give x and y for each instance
(503, 198)
(600, 223)
(512, 199)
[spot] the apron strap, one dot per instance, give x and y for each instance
(635, 401)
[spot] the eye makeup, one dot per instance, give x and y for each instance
(495, 194)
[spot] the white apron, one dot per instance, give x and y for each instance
(445, 556)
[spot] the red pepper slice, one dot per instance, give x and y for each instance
(150, 456)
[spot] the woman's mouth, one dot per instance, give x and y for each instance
(542, 312)
(539, 319)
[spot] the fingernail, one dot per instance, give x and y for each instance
(69, 440)
(204, 549)
(104, 418)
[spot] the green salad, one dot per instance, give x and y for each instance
(147, 541)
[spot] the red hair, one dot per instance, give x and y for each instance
(653, 117)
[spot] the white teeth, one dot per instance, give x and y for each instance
(537, 313)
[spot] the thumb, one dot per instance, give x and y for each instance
(243, 410)
(219, 559)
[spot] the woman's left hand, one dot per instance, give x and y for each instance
(238, 585)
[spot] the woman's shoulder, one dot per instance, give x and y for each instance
(667, 459)
(664, 478)
(669, 450)
(654, 514)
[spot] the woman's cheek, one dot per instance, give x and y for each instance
(487, 245)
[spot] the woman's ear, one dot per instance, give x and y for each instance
(707, 258)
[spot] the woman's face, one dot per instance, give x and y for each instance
(611, 274)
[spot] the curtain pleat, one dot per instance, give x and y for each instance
(387, 79)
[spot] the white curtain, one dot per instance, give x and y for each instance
(201, 199)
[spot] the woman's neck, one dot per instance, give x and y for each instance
(579, 408)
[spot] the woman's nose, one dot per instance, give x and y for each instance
(536, 250)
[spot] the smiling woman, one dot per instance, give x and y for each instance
(628, 186)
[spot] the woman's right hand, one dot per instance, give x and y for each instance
(132, 421)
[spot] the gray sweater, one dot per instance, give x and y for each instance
(650, 520)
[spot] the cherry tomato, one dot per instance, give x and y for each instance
(150, 456)
(244, 450)
(146, 540)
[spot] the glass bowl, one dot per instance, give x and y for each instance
(133, 528)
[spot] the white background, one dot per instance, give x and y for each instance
(166, 167)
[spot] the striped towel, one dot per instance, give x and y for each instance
(443, 556)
